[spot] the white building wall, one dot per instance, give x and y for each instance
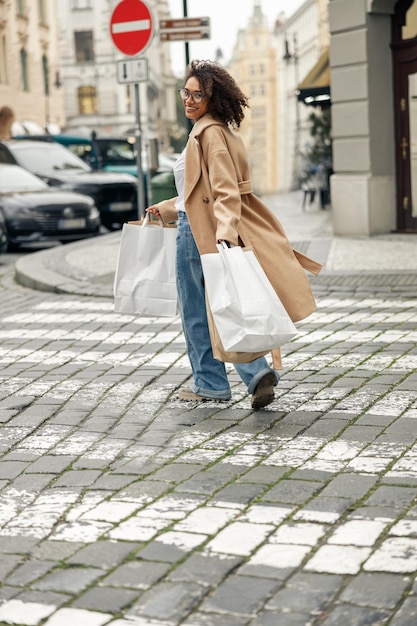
(116, 102)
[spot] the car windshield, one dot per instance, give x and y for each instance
(15, 179)
(48, 157)
(117, 150)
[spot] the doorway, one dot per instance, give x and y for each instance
(404, 49)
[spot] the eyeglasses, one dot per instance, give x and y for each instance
(196, 96)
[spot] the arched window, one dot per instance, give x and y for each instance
(87, 100)
(24, 69)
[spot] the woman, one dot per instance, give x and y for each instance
(215, 203)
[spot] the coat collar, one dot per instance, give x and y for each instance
(193, 154)
(203, 123)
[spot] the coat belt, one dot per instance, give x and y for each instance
(245, 186)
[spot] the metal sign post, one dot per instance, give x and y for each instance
(186, 45)
(136, 71)
(185, 29)
(132, 30)
(138, 137)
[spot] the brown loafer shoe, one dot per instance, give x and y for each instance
(186, 393)
(264, 391)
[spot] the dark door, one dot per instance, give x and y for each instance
(405, 106)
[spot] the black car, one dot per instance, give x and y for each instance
(3, 235)
(33, 212)
(118, 155)
(115, 194)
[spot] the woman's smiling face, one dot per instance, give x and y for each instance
(195, 110)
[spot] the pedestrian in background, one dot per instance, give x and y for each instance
(6, 122)
(215, 203)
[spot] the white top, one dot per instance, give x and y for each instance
(179, 169)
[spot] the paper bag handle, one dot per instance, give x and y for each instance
(146, 221)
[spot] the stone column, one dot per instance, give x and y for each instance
(363, 186)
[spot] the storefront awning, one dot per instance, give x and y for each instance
(314, 90)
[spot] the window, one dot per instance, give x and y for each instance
(20, 7)
(45, 72)
(252, 91)
(261, 68)
(42, 11)
(84, 47)
(251, 70)
(81, 4)
(258, 112)
(87, 100)
(3, 57)
(24, 69)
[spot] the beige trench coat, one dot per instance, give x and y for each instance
(220, 204)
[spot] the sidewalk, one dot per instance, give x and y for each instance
(87, 267)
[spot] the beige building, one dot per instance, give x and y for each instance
(30, 81)
(253, 66)
(270, 64)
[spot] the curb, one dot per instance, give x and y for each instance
(65, 269)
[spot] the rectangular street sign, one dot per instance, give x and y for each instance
(188, 35)
(132, 71)
(184, 22)
(184, 29)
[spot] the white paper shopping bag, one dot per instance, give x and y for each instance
(144, 281)
(247, 312)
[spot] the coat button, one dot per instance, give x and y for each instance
(206, 200)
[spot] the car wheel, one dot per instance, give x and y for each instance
(12, 247)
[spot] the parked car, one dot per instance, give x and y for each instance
(114, 194)
(107, 152)
(3, 235)
(112, 154)
(32, 211)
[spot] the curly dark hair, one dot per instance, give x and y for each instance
(227, 101)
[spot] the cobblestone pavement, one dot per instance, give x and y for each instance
(121, 505)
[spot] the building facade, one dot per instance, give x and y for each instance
(300, 40)
(373, 56)
(253, 65)
(30, 80)
(94, 99)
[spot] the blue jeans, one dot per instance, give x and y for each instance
(210, 377)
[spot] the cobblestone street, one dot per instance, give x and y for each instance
(121, 505)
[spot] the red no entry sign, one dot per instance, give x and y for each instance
(131, 26)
